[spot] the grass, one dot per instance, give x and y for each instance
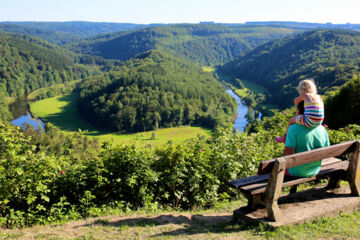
(255, 88)
(208, 69)
(61, 111)
(215, 223)
(252, 86)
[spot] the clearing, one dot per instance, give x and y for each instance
(61, 111)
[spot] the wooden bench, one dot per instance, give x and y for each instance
(265, 188)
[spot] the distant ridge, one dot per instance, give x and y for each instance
(65, 32)
(293, 24)
(205, 44)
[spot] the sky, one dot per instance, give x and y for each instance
(181, 11)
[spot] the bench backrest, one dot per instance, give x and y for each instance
(309, 156)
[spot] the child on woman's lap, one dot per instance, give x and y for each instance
(313, 114)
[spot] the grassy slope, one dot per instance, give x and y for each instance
(210, 224)
(61, 111)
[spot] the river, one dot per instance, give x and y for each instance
(28, 119)
(241, 120)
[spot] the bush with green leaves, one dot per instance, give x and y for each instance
(54, 177)
(27, 176)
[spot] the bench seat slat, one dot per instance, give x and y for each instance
(265, 177)
(260, 187)
(248, 180)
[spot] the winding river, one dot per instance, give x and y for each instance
(241, 120)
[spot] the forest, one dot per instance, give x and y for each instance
(330, 57)
(205, 44)
(62, 33)
(154, 90)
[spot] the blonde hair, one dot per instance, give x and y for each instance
(307, 86)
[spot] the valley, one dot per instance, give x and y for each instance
(140, 117)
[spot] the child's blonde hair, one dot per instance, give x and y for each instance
(307, 86)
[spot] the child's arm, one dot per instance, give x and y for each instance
(298, 99)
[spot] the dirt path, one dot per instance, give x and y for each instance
(212, 225)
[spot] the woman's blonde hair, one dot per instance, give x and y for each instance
(307, 86)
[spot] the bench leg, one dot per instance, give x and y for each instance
(354, 171)
(273, 190)
(293, 189)
(334, 182)
(254, 201)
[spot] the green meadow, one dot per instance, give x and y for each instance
(61, 112)
(208, 69)
(255, 88)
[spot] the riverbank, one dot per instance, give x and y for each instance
(252, 94)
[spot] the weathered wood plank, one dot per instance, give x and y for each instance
(354, 171)
(325, 171)
(310, 156)
(330, 160)
(273, 190)
(262, 178)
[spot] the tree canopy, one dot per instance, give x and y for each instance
(331, 57)
(207, 44)
(154, 90)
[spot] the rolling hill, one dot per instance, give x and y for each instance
(154, 90)
(331, 57)
(28, 63)
(64, 32)
(206, 44)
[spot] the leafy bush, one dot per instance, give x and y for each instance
(55, 177)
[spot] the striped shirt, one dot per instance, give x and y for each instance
(313, 115)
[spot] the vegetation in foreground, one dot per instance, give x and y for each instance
(214, 223)
(54, 176)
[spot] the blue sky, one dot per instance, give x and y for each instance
(181, 11)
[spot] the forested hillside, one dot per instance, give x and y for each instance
(154, 90)
(65, 32)
(305, 25)
(331, 57)
(28, 63)
(342, 106)
(207, 44)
